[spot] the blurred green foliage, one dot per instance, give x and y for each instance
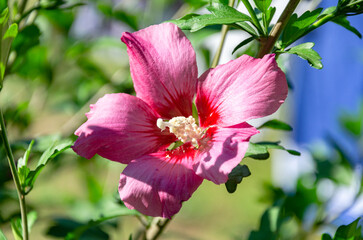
(67, 54)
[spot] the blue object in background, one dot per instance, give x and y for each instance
(322, 96)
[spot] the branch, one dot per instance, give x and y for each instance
(14, 172)
(268, 44)
(221, 44)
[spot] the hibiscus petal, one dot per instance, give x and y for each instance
(163, 68)
(157, 184)
(120, 127)
(222, 150)
(240, 90)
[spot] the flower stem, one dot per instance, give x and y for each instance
(268, 44)
(221, 43)
(156, 228)
(14, 173)
(153, 230)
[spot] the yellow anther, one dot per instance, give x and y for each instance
(185, 129)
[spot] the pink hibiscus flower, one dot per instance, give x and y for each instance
(138, 130)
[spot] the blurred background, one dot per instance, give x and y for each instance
(69, 54)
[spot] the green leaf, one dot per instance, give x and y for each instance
(53, 151)
(24, 160)
(269, 225)
(326, 236)
(276, 124)
(4, 16)
(241, 44)
(23, 170)
(91, 230)
(6, 40)
(196, 4)
(63, 228)
(32, 217)
(2, 72)
(235, 177)
(306, 52)
(2, 236)
(125, 17)
(122, 211)
(353, 122)
(297, 26)
(269, 15)
(23, 173)
(349, 232)
(119, 14)
(259, 151)
(248, 28)
(327, 11)
(17, 228)
(49, 154)
(350, 7)
(221, 14)
(3, 5)
(34, 64)
(263, 5)
(26, 39)
(11, 32)
(343, 21)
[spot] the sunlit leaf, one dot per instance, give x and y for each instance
(306, 52)
(263, 5)
(23, 161)
(11, 32)
(276, 124)
(248, 28)
(196, 4)
(269, 15)
(23, 173)
(259, 151)
(221, 14)
(53, 151)
(49, 154)
(4, 16)
(296, 26)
